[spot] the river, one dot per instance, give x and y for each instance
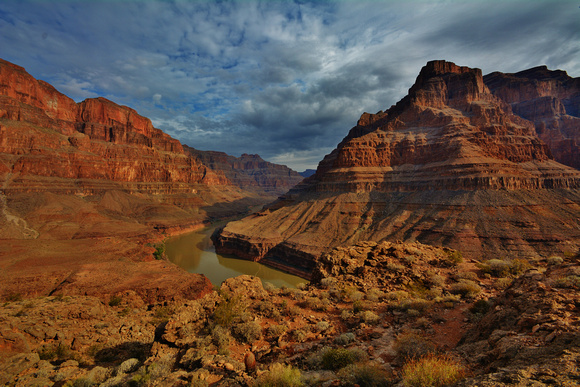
(195, 253)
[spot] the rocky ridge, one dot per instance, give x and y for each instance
(250, 171)
(549, 99)
(449, 164)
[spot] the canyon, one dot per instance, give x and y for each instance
(449, 165)
(88, 189)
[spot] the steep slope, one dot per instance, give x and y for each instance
(250, 171)
(447, 165)
(551, 100)
(87, 188)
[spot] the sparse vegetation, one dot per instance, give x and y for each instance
(363, 374)
(337, 358)
(432, 371)
(465, 288)
(247, 332)
(412, 345)
(115, 300)
(554, 260)
(159, 252)
(280, 375)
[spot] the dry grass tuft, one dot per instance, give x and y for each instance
(432, 371)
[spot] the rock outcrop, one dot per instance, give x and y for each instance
(250, 171)
(551, 100)
(449, 164)
(96, 173)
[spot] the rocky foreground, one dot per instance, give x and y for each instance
(373, 316)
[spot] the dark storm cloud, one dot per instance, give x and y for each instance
(283, 79)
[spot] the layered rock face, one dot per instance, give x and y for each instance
(551, 100)
(449, 164)
(250, 171)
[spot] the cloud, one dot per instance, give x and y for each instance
(282, 79)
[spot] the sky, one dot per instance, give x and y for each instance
(283, 79)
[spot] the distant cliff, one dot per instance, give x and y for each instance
(551, 100)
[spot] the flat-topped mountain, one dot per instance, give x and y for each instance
(449, 164)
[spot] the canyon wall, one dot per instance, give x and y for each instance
(449, 164)
(549, 99)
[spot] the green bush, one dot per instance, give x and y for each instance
(159, 252)
(432, 371)
(228, 309)
(368, 317)
(280, 375)
(345, 338)
(363, 374)
(337, 358)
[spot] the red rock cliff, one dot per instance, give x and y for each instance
(449, 164)
(551, 100)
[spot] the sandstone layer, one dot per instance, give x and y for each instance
(450, 164)
(250, 172)
(89, 173)
(551, 100)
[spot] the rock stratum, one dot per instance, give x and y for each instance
(450, 164)
(91, 173)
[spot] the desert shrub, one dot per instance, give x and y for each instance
(220, 336)
(268, 309)
(159, 252)
(480, 307)
(321, 326)
(270, 287)
(368, 317)
(496, 267)
(247, 332)
(316, 303)
(570, 282)
(360, 305)
(519, 266)
(291, 311)
(345, 338)
(115, 300)
(466, 288)
(554, 260)
(432, 371)
(328, 282)
(363, 374)
(275, 331)
(418, 304)
(337, 358)
(280, 375)
(346, 314)
(434, 279)
(302, 286)
(163, 312)
(412, 345)
(228, 309)
(502, 283)
(356, 296)
(56, 352)
(81, 382)
(468, 275)
(374, 295)
(397, 295)
(452, 258)
(299, 335)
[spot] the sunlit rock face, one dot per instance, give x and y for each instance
(551, 100)
(450, 164)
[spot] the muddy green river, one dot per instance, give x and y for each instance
(195, 253)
